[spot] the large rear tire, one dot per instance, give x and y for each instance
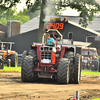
(33, 53)
(63, 71)
(14, 59)
(70, 56)
(77, 69)
(27, 74)
(24, 54)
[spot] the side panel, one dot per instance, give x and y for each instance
(38, 52)
(4, 55)
(53, 58)
(62, 52)
(11, 52)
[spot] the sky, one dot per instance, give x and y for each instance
(98, 1)
(21, 5)
(68, 11)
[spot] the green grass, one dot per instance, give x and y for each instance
(11, 69)
(89, 73)
(96, 99)
(19, 70)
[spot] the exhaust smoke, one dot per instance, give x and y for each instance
(51, 8)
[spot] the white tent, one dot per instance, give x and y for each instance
(81, 44)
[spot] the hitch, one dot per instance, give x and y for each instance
(1, 63)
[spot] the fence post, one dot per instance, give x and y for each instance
(98, 67)
(77, 95)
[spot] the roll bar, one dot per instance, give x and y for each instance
(49, 31)
(7, 43)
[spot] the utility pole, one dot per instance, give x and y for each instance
(41, 23)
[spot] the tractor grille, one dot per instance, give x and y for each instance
(47, 56)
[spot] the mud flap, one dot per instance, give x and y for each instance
(1, 63)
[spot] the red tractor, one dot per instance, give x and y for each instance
(89, 58)
(44, 61)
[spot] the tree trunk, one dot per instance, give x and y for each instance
(41, 24)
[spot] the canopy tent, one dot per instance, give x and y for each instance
(81, 44)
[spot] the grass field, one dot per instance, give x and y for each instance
(19, 70)
(11, 69)
(89, 73)
(96, 99)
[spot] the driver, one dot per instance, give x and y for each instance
(53, 35)
(50, 41)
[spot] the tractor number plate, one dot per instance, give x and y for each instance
(0, 57)
(45, 60)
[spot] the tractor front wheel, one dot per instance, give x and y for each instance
(27, 74)
(63, 71)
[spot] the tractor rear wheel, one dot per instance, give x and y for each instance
(77, 69)
(24, 54)
(14, 59)
(70, 56)
(27, 74)
(63, 71)
(33, 53)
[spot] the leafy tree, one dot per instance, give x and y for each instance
(31, 14)
(3, 21)
(87, 9)
(8, 12)
(21, 16)
(11, 14)
(6, 4)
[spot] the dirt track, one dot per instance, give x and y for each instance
(11, 88)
